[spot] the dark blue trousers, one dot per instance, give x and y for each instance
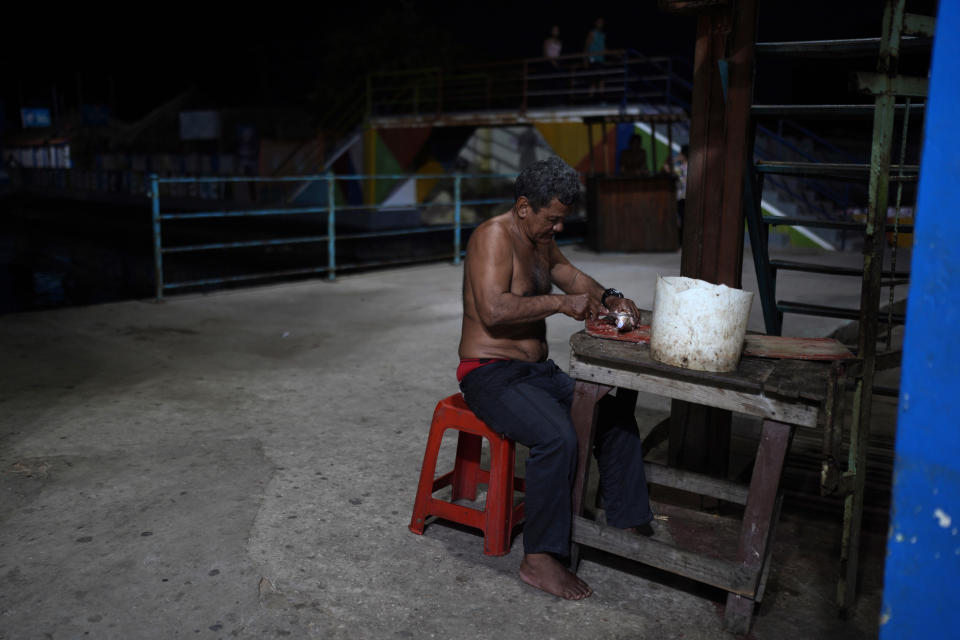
(529, 402)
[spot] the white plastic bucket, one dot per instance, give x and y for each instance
(698, 325)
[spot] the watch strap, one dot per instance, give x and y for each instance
(609, 292)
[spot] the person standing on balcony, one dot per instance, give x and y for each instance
(513, 262)
(595, 45)
(552, 47)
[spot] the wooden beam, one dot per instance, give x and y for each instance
(713, 216)
(758, 518)
(880, 84)
(724, 574)
(583, 414)
(695, 483)
(754, 404)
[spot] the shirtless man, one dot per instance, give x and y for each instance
(512, 262)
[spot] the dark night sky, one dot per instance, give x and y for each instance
(264, 59)
(278, 58)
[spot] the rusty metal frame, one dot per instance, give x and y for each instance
(874, 238)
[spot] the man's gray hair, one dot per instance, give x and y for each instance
(545, 180)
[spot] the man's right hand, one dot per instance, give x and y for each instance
(581, 306)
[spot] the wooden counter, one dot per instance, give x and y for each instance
(632, 214)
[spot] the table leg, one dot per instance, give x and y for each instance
(758, 518)
(583, 413)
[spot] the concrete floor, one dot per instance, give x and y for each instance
(243, 464)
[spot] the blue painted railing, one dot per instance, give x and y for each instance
(331, 209)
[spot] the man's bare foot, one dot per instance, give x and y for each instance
(543, 571)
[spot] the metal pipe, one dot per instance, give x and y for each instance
(331, 228)
(242, 244)
(523, 105)
(626, 81)
(331, 209)
(241, 213)
(323, 176)
(669, 95)
(369, 97)
(896, 222)
(486, 201)
(400, 232)
(157, 251)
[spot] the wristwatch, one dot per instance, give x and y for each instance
(608, 293)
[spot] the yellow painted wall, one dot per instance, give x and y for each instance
(567, 139)
(425, 186)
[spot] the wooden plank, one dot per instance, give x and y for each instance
(755, 404)
(583, 414)
(758, 518)
(754, 345)
(795, 348)
(882, 84)
(726, 575)
(765, 573)
(749, 376)
(792, 379)
(695, 483)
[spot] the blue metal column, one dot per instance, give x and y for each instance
(157, 251)
(921, 597)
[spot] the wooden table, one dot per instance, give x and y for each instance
(785, 393)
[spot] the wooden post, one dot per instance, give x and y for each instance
(713, 218)
(653, 145)
(583, 413)
(759, 518)
(603, 143)
(593, 161)
(670, 147)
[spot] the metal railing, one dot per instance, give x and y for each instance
(334, 218)
(624, 76)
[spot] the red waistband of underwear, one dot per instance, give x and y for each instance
(469, 364)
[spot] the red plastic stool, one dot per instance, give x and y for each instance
(499, 516)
